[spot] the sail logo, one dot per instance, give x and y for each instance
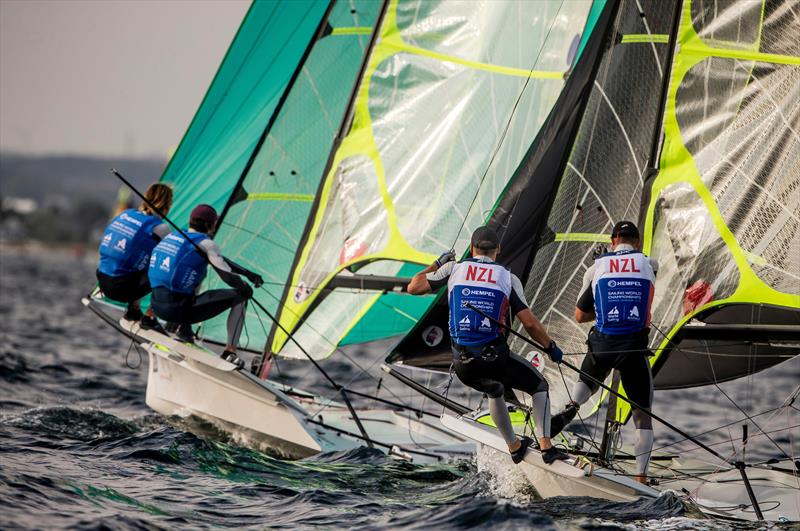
(432, 336)
(121, 244)
(464, 323)
(613, 315)
(634, 314)
(480, 274)
(165, 264)
(302, 292)
(622, 265)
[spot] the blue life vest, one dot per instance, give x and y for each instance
(485, 286)
(176, 264)
(623, 287)
(127, 243)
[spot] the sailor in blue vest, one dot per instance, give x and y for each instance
(125, 253)
(482, 358)
(617, 293)
(177, 269)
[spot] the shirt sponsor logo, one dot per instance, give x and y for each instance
(106, 239)
(129, 219)
(165, 264)
(479, 292)
(121, 244)
(485, 324)
(633, 314)
(465, 292)
(464, 323)
(613, 315)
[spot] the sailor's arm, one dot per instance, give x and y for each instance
(255, 278)
(521, 310)
(584, 308)
(222, 268)
(432, 277)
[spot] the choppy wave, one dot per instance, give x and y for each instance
(81, 450)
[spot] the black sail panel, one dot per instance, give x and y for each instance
(522, 210)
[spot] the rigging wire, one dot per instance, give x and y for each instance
(506, 128)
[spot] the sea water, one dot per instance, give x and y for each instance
(79, 448)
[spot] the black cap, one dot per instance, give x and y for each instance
(625, 229)
(485, 239)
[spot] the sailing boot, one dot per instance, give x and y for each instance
(559, 421)
(518, 455)
(185, 333)
(553, 454)
(133, 313)
(231, 357)
(151, 323)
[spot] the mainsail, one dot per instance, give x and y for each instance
(723, 215)
(731, 233)
(239, 102)
(584, 170)
(444, 112)
(264, 218)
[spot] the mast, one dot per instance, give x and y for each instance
(651, 170)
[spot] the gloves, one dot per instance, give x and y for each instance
(245, 290)
(255, 278)
(447, 256)
(555, 353)
(599, 251)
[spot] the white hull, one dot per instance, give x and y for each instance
(717, 491)
(186, 381)
(192, 382)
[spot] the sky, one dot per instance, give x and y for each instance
(107, 77)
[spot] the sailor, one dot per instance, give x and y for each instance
(617, 292)
(176, 270)
(125, 252)
(482, 358)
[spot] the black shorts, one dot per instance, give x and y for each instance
(126, 288)
(508, 371)
(190, 308)
(626, 353)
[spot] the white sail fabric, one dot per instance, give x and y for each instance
(451, 99)
(725, 209)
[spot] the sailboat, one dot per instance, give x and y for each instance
(320, 169)
(685, 116)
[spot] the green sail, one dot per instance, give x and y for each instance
(265, 220)
(447, 107)
(239, 103)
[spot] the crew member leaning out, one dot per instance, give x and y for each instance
(177, 269)
(482, 358)
(617, 293)
(125, 252)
